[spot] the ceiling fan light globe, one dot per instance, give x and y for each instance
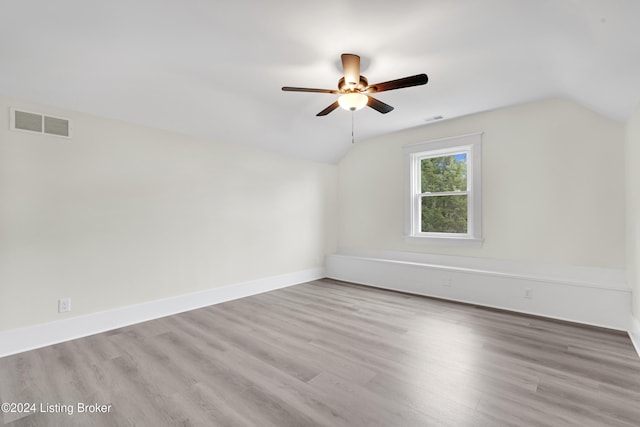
(353, 101)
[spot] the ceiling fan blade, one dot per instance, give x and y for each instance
(351, 68)
(379, 105)
(306, 89)
(329, 109)
(417, 80)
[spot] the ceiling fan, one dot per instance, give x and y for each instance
(354, 88)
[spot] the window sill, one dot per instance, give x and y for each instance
(471, 242)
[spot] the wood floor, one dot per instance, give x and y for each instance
(332, 354)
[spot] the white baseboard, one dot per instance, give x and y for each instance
(592, 296)
(28, 338)
(634, 334)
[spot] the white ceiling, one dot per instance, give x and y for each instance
(214, 69)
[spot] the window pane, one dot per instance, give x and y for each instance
(446, 173)
(444, 214)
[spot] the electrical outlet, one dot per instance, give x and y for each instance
(64, 305)
(528, 293)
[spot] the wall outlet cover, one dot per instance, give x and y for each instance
(64, 305)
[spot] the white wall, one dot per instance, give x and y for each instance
(553, 187)
(632, 153)
(123, 214)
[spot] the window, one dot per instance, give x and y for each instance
(444, 191)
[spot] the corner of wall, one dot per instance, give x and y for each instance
(632, 193)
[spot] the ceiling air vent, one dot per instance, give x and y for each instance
(30, 121)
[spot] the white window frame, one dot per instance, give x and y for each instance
(413, 154)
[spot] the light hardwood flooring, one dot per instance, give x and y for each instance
(327, 353)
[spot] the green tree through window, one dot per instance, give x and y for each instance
(444, 194)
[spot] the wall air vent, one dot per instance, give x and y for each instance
(29, 121)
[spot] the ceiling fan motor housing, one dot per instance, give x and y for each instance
(362, 85)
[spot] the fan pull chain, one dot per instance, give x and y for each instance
(353, 141)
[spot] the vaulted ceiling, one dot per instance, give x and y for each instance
(214, 69)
